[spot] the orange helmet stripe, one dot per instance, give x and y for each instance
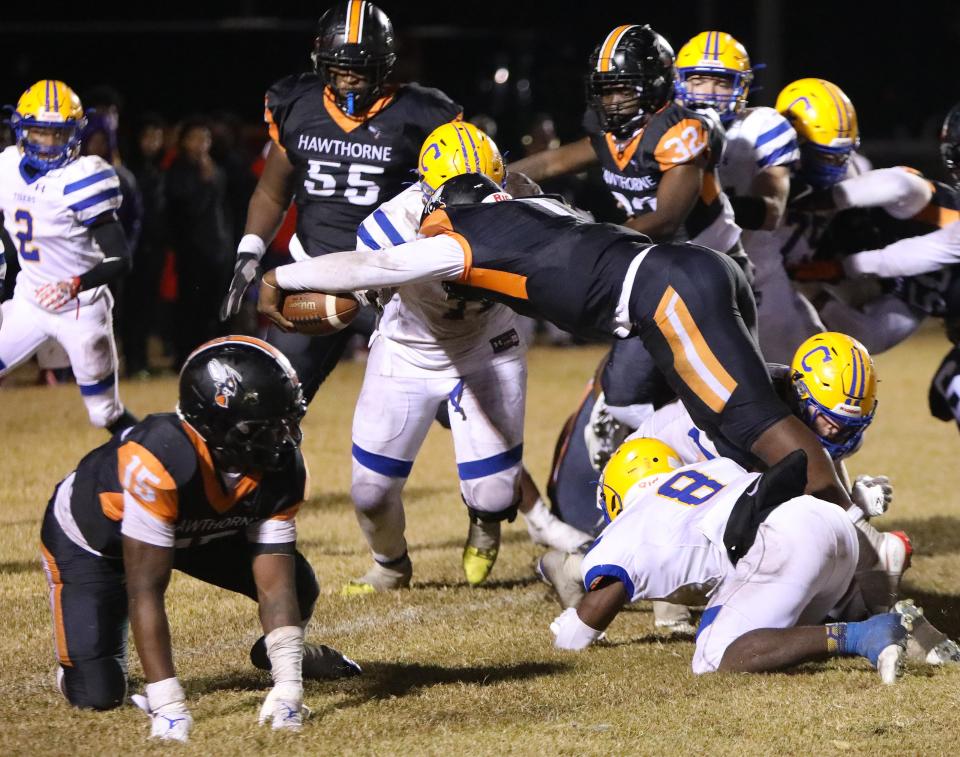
(609, 46)
(354, 20)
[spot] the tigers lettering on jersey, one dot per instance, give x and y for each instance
(162, 466)
(346, 166)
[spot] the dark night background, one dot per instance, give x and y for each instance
(898, 66)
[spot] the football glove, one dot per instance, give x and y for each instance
(55, 295)
(245, 271)
(872, 494)
(169, 718)
(284, 707)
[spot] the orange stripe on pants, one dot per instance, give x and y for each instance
(693, 359)
(56, 589)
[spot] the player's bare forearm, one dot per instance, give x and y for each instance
(147, 573)
(676, 196)
(548, 164)
(773, 649)
(272, 196)
(772, 185)
(601, 605)
(275, 579)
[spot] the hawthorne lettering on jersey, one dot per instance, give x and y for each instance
(631, 183)
(344, 149)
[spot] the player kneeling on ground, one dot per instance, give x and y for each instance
(211, 490)
(774, 561)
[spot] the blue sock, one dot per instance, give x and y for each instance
(867, 638)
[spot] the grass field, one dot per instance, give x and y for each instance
(450, 669)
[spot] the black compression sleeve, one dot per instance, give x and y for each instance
(749, 212)
(116, 256)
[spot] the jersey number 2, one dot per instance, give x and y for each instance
(359, 191)
(27, 252)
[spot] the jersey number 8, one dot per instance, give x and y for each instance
(690, 488)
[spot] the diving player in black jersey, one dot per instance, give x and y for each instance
(343, 142)
(691, 306)
(212, 491)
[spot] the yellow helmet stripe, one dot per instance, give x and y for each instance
(354, 20)
(609, 46)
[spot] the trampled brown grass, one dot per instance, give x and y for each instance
(452, 669)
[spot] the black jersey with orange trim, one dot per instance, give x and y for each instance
(541, 258)
(165, 464)
(674, 136)
(346, 167)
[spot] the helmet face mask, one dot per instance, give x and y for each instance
(47, 123)
(354, 53)
(713, 71)
(950, 143)
(835, 389)
(822, 167)
(244, 399)
(631, 78)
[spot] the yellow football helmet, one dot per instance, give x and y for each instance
(826, 123)
(715, 54)
(633, 460)
(47, 123)
(832, 375)
(457, 148)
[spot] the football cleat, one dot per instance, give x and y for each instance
(548, 530)
(480, 551)
(320, 662)
(882, 639)
(561, 570)
(926, 643)
(381, 577)
(673, 618)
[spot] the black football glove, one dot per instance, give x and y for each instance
(246, 269)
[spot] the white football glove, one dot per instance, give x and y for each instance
(284, 707)
(55, 295)
(245, 270)
(169, 721)
(872, 494)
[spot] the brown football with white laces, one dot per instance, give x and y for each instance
(319, 313)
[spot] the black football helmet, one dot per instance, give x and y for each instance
(244, 398)
(465, 189)
(950, 143)
(357, 36)
(631, 78)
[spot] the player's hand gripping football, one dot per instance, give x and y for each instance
(55, 295)
(271, 302)
(245, 270)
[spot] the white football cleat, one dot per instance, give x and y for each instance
(561, 570)
(926, 643)
(381, 578)
(890, 663)
(673, 618)
(548, 530)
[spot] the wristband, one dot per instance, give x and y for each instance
(252, 245)
(162, 693)
(571, 632)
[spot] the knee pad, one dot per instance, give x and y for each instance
(372, 492)
(103, 409)
(493, 498)
(97, 684)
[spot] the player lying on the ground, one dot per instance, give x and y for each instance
(61, 210)
(775, 562)
(211, 490)
(691, 306)
(432, 349)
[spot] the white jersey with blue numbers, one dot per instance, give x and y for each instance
(756, 139)
(425, 328)
(668, 541)
(673, 426)
(48, 218)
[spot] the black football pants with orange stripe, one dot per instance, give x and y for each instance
(88, 598)
(696, 315)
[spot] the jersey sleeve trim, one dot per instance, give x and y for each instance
(143, 525)
(682, 143)
(74, 186)
(272, 129)
(438, 222)
(147, 481)
(608, 570)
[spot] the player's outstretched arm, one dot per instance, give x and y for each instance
(577, 628)
(571, 157)
(766, 205)
(268, 204)
(148, 569)
(274, 577)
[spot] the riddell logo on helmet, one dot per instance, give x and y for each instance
(226, 382)
(497, 197)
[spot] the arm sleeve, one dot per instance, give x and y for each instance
(899, 192)
(909, 257)
(116, 262)
(435, 259)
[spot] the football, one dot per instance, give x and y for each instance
(320, 313)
